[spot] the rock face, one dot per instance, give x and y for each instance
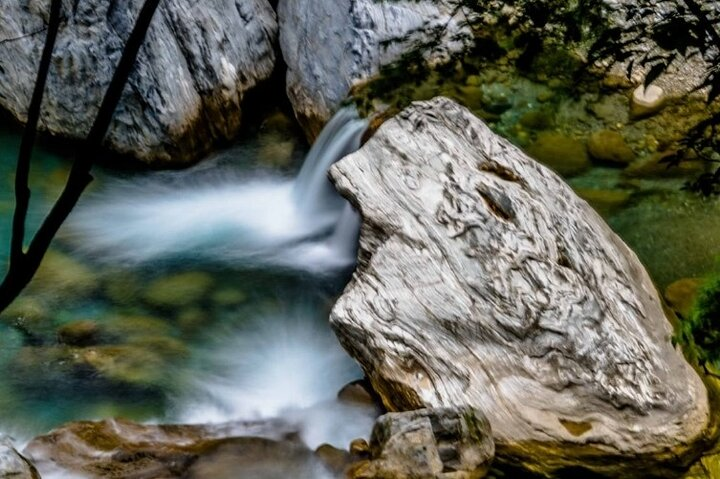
(197, 63)
(483, 280)
(443, 443)
(329, 45)
(13, 465)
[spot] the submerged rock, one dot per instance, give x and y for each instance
(123, 449)
(179, 291)
(330, 45)
(484, 280)
(560, 152)
(195, 67)
(610, 146)
(429, 443)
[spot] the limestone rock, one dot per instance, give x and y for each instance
(196, 65)
(330, 45)
(429, 443)
(13, 465)
(484, 280)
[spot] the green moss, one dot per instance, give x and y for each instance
(702, 328)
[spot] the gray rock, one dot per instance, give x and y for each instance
(12, 464)
(198, 61)
(330, 45)
(430, 443)
(484, 280)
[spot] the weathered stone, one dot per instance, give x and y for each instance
(13, 465)
(337, 460)
(358, 393)
(330, 45)
(610, 146)
(121, 449)
(429, 443)
(484, 280)
(195, 67)
(560, 152)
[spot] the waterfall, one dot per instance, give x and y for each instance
(217, 212)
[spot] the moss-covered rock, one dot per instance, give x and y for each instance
(681, 294)
(562, 153)
(610, 146)
(605, 201)
(79, 333)
(228, 297)
(61, 276)
(179, 291)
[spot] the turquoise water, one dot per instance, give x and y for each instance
(185, 339)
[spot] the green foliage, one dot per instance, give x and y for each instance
(702, 329)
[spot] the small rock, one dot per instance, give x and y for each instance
(63, 277)
(178, 291)
(437, 443)
(360, 448)
(652, 166)
(536, 120)
(560, 152)
(610, 146)
(228, 297)
(647, 101)
(681, 295)
(335, 459)
(79, 333)
(605, 201)
(358, 393)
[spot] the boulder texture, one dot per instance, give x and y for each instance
(442, 443)
(12, 464)
(330, 45)
(484, 281)
(198, 61)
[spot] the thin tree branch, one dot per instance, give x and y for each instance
(22, 172)
(79, 177)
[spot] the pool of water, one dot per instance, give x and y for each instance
(169, 297)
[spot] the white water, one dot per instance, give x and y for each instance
(288, 367)
(215, 213)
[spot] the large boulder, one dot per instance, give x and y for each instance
(483, 280)
(198, 61)
(330, 45)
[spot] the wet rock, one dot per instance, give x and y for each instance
(610, 146)
(605, 202)
(611, 109)
(79, 333)
(228, 297)
(13, 465)
(179, 291)
(336, 460)
(429, 443)
(122, 288)
(123, 449)
(196, 66)
(62, 277)
(680, 295)
(331, 45)
(484, 280)
(647, 101)
(653, 166)
(358, 393)
(560, 152)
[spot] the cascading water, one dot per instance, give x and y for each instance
(216, 213)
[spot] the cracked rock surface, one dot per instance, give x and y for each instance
(198, 61)
(330, 45)
(484, 281)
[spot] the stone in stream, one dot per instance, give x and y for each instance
(483, 280)
(124, 449)
(446, 443)
(197, 64)
(330, 45)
